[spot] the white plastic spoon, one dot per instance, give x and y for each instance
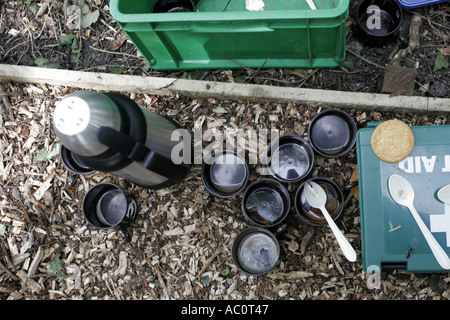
(403, 193)
(317, 198)
(311, 4)
(444, 194)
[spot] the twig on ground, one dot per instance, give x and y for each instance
(253, 75)
(120, 53)
(210, 260)
(366, 60)
(33, 45)
(8, 272)
(4, 96)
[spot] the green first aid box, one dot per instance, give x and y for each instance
(223, 34)
(390, 237)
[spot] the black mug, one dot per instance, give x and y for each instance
(332, 133)
(266, 203)
(334, 203)
(255, 251)
(379, 22)
(291, 158)
(225, 173)
(107, 206)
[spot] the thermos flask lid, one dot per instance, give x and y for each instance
(71, 116)
(78, 117)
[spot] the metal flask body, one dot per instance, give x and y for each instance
(111, 133)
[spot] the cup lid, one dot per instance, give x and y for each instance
(255, 251)
(292, 158)
(225, 174)
(228, 172)
(266, 203)
(72, 163)
(110, 207)
(332, 133)
(105, 205)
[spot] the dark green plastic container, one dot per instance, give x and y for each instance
(222, 34)
(390, 238)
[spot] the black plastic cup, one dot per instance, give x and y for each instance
(379, 22)
(332, 133)
(106, 206)
(72, 163)
(334, 204)
(266, 203)
(173, 6)
(225, 173)
(255, 251)
(291, 158)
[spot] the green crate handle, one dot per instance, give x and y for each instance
(258, 26)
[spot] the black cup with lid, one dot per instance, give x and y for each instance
(334, 203)
(291, 158)
(107, 206)
(332, 132)
(266, 203)
(225, 173)
(255, 251)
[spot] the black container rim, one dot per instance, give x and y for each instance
(72, 163)
(352, 126)
(237, 240)
(159, 6)
(305, 143)
(207, 180)
(283, 193)
(106, 185)
(366, 4)
(298, 206)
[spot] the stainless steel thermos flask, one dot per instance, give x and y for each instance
(112, 133)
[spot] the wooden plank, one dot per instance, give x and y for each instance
(83, 80)
(221, 90)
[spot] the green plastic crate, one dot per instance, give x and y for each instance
(390, 238)
(222, 34)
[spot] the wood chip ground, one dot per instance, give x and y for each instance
(179, 249)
